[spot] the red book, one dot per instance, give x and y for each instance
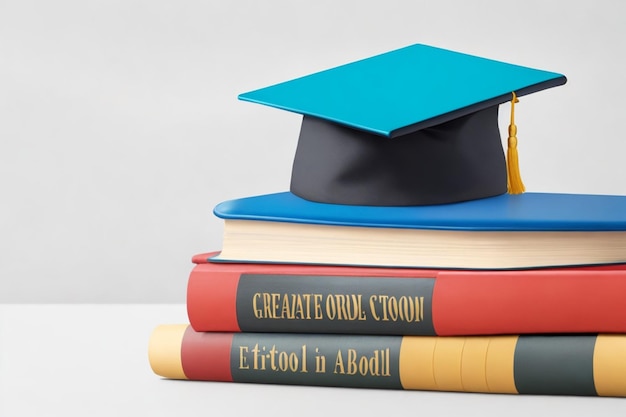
(295, 298)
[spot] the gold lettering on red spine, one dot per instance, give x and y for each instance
(331, 308)
(286, 310)
(275, 305)
(255, 306)
(267, 305)
(317, 301)
(338, 307)
(390, 308)
(299, 311)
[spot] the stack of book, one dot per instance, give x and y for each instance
(360, 277)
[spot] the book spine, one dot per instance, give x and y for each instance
(588, 365)
(445, 303)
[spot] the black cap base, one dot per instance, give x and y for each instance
(454, 161)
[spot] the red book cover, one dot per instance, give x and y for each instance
(294, 298)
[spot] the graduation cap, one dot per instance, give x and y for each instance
(414, 126)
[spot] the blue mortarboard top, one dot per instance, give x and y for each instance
(439, 106)
(404, 90)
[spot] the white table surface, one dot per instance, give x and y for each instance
(91, 360)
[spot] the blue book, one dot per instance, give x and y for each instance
(530, 230)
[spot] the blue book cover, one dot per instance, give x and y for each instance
(506, 212)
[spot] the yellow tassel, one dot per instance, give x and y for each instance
(514, 179)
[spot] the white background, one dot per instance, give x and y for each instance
(120, 128)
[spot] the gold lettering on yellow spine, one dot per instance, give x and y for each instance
(243, 363)
(303, 355)
(290, 362)
(273, 359)
(352, 357)
(320, 362)
(255, 359)
(375, 364)
(339, 368)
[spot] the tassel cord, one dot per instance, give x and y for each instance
(514, 179)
